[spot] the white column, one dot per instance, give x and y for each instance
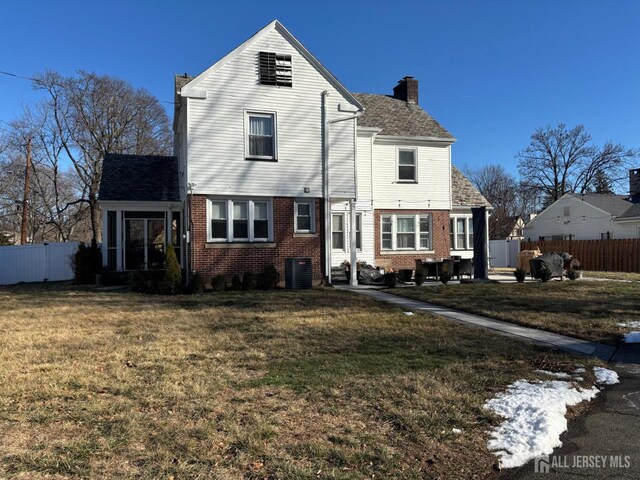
(352, 243)
(105, 238)
(119, 235)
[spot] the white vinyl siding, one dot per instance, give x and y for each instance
(406, 232)
(431, 189)
(239, 220)
(217, 131)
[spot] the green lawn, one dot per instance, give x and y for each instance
(584, 309)
(304, 385)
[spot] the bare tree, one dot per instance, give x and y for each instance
(560, 160)
(508, 197)
(91, 115)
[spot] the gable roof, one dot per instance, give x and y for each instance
(612, 204)
(632, 212)
(463, 193)
(277, 26)
(139, 178)
(399, 118)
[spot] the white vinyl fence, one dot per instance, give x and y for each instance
(504, 253)
(36, 263)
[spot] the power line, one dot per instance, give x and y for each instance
(17, 76)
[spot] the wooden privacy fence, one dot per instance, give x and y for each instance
(599, 255)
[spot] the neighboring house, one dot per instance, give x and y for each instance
(590, 216)
(507, 228)
(274, 158)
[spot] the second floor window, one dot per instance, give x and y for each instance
(407, 165)
(261, 136)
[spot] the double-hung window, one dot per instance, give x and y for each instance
(407, 165)
(261, 136)
(337, 231)
(304, 216)
(358, 231)
(406, 232)
(461, 233)
(239, 220)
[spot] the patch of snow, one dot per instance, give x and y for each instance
(579, 370)
(554, 374)
(629, 325)
(409, 313)
(604, 376)
(457, 431)
(632, 337)
(534, 415)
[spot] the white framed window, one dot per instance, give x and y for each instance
(566, 211)
(407, 165)
(406, 232)
(358, 231)
(260, 138)
(239, 220)
(337, 231)
(304, 212)
(461, 233)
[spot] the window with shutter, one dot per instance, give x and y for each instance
(275, 69)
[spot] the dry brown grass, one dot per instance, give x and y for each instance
(629, 276)
(302, 385)
(585, 309)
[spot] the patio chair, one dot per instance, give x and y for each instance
(463, 267)
(449, 264)
(431, 269)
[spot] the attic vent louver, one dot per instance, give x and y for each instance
(275, 69)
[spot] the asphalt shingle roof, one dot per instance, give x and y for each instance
(398, 118)
(139, 178)
(614, 204)
(463, 193)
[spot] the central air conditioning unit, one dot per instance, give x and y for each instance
(298, 273)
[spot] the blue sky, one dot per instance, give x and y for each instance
(491, 72)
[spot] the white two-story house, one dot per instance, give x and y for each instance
(274, 158)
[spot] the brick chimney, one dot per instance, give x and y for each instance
(634, 184)
(407, 90)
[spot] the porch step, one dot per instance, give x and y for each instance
(339, 275)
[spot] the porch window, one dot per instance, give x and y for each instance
(239, 220)
(337, 231)
(461, 235)
(176, 235)
(145, 239)
(358, 231)
(112, 247)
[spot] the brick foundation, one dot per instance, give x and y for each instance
(255, 257)
(440, 239)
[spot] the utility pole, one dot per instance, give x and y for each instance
(25, 201)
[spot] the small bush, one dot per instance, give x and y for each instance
(520, 275)
(249, 281)
(270, 278)
(445, 275)
(390, 279)
(218, 283)
(196, 283)
(573, 274)
(545, 274)
(173, 273)
(419, 276)
(236, 282)
(87, 262)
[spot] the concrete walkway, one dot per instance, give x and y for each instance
(575, 345)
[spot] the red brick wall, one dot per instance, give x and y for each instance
(440, 240)
(230, 261)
